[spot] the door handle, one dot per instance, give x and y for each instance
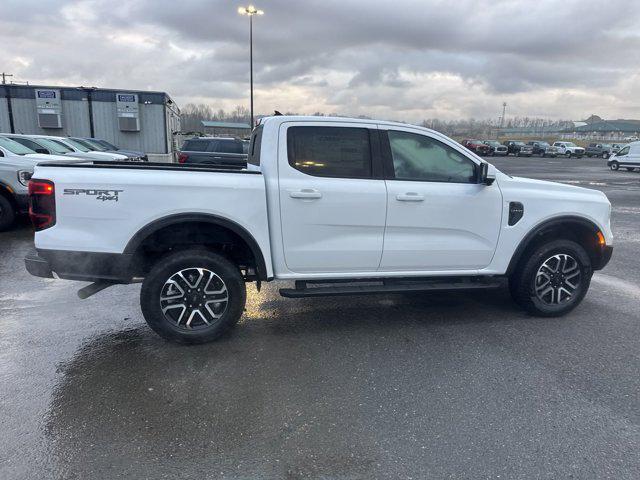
(306, 193)
(410, 197)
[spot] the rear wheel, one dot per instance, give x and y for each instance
(193, 296)
(630, 169)
(7, 213)
(553, 280)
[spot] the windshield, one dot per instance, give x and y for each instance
(54, 146)
(14, 147)
(98, 145)
(543, 144)
(90, 145)
(570, 144)
(107, 145)
(76, 145)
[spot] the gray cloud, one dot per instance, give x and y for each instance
(407, 59)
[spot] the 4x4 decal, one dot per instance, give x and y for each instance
(103, 195)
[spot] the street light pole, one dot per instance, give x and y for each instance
(250, 11)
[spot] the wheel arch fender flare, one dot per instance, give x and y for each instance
(541, 229)
(141, 235)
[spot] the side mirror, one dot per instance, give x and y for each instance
(42, 150)
(484, 177)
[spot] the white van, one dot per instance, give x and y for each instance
(628, 157)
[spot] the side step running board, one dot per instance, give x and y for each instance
(366, 287)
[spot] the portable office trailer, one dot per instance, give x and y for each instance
(131, 119)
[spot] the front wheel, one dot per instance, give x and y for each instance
(193, 296)
(553, 280)
(614, 166)
(568, 154)
(605, 155)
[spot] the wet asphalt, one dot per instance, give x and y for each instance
(458, 385)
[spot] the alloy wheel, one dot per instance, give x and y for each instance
(194, 298)
(558, 279)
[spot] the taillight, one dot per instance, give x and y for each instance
(182, 158)
(42, 203)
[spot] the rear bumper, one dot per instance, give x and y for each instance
(84, 266)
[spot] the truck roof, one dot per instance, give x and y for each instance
(311, 118)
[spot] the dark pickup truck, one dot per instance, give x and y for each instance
(226, 151)
(603, 150)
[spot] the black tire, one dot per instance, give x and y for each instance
(568, 154)
(158, 283)
(605, 155)
(7, 213)
(630, 169)
(531, 273)
(614, 166)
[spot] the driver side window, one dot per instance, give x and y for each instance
(420, 158)
(622, 152)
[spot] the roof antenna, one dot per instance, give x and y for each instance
(277, 113)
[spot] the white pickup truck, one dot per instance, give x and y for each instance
(340, 206)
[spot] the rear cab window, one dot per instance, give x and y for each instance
(195, 145)
(254, 146)
(229, 146)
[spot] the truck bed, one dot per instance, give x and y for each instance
(102, 205)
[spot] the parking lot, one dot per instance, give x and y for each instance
(436, 385)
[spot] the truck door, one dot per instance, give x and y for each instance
(332, 197)
(438, 217)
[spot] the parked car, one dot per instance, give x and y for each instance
(569, 149)
(477, 146)
(543, 149)
(41, 144)
(603, 150)
(95, 146)
(495, 148)
(518, 148)
(320, 207)
(632, 138)
(628, 157)
(616, 147)
(16, 167)
(223, 151)
(79, 150)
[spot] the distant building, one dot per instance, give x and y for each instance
(605, 130)
(226, 129)
(531, 132)
(131, 119)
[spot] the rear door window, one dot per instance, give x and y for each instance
(337, 152)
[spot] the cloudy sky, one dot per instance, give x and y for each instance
(403, 59)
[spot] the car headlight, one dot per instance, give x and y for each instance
(24, 176)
